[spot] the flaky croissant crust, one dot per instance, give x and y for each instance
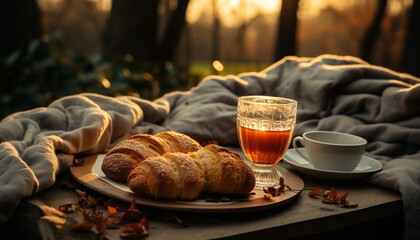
(126, 155)
(212, 169)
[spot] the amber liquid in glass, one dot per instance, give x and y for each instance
(264, 147)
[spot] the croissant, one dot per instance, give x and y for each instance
(178, 176)
(126, 155)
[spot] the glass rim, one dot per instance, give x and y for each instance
(247, 99)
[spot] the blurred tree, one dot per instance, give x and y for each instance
(215, 37)
(411, 54)
(19, 24)
(286, 34)
(372, 33)
(81, 22)
(133, 27)
(176, 23)
(237, 48)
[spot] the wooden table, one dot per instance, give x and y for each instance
(379, 214)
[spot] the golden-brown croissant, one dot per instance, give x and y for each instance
(126, 155)
(212, 169)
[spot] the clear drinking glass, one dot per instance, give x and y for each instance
(265, 128)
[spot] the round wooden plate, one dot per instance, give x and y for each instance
(83, 174)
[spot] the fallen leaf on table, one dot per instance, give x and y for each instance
(86, 205)
(272, 192)
(101, 225)
(136, 230)
(66, 207)
(133, 213)
(332, 197)
(114, 215)
(316, 192)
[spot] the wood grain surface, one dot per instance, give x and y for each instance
(378, 215)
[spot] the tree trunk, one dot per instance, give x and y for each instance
(215, 35)
(411, 54)
(286, 34)
(172, 35)
(372, 33)
(132, 28)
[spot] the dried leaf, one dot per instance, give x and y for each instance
(350, 204)
(268, 196)
(81, 193)
(273, 192)
(327, 200)
(333, 194)
(133, 213)
(92, 201)
(341, 197)
(101, 226)
(281, 181)
(136, 230)
(79, 227)
(145, 223)
(171, 217)
(76, 202)
(133, 204)
(114, 215)
(112, 210)
(178, 220)
(85, 215)
(315, 192)
(80, 198)
(111, 220)
(332, 197)
(90, 216)
(66, 207)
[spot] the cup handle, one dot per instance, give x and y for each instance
(299, 139)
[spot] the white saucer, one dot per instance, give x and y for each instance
(367, 166)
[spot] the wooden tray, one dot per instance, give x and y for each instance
(83, 174)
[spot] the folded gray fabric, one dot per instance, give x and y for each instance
(334, 93)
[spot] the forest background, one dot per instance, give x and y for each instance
(54, 48)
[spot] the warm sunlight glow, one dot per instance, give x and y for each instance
(231, 12)
(218, 66)
(106, 83)
(396, 7)
(148, 76)
(409, 89)
(126, 72)
(311, 8)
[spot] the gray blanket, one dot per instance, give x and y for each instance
(334, 93)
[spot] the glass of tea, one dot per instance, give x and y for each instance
(265, 128)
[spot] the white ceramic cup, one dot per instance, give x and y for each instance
(330, 150)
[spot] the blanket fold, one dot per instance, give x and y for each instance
(335, 93)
